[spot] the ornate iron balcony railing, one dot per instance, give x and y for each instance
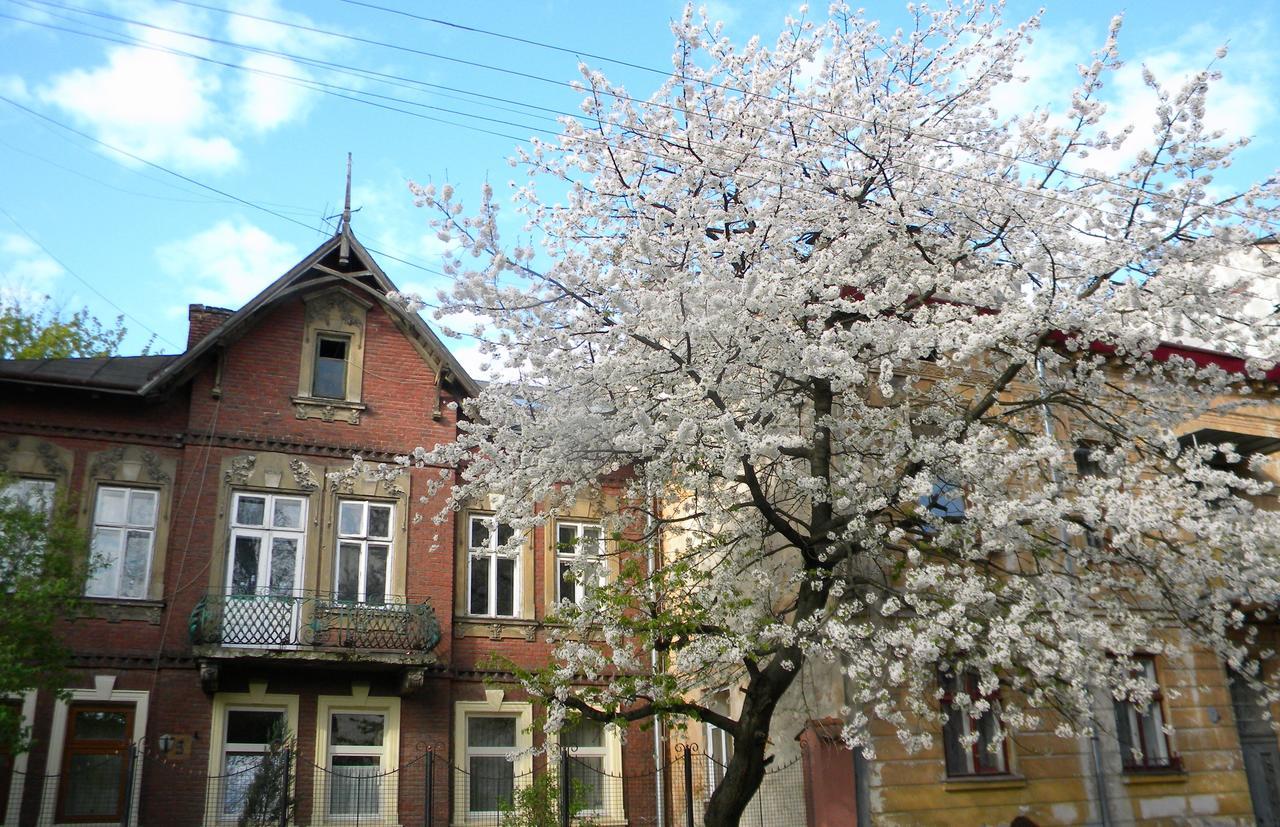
(314, 620)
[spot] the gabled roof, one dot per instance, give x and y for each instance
(112, 374)
(341, 260)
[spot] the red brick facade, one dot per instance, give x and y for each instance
(225, 420)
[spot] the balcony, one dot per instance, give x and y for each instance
(313, 626)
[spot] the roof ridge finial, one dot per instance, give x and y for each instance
(344, 249)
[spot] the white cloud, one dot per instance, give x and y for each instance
(15, 87)
(157, 105)
(171, 108)
(1239, 104)
(266, 100)
(721, 11)
(227, 264)
(28, 274)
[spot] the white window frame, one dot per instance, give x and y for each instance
(359, 702)
(719, 751)
(58, 738)
(125, 527)
(522, 761)
(607, 768)
(256, 699)
(1149, 720)
(353, 751)
(266, 534)
(364, 539)
(614, 810)
(327, 336)
(575, 558)
(493, 555)
(241, 748)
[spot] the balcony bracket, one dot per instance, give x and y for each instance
(412, 680)
(209, 676)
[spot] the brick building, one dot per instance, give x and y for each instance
(239, 593)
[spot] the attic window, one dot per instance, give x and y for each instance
(330, 378)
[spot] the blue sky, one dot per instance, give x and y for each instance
(410, 99)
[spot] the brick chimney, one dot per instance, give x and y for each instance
(203, 320)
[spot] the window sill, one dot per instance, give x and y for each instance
(495, 628)
(1154, 776)
(970, 783)
(329, 410)
(116, 609)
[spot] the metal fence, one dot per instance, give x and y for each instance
(781, 800)
(278, 787)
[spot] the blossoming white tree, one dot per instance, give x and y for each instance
(845, 326)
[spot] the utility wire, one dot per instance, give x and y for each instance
(126, 314)
(908, 131)
(331, 90)
(355, 95)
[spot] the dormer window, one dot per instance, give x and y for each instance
(330, 378)
(331, 367)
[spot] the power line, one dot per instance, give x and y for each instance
(356, 95)
(153, 165)
(910, 132)
(332, 89)
(82, 280)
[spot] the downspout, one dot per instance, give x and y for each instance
(658, 752)
(1095, 743)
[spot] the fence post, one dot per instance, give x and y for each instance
(688, 788)
(284, 790)
(564, 787)
(429, 797)
(126, 812)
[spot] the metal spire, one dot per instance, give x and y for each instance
(344, 248)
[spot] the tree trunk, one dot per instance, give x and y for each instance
(746, 769)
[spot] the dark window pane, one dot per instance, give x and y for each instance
(583, 734)
(355, 729)
(375, 582)
(566, 538)
(568, 584)
(348, 586)
(479, 533)
(246, 726)
(491, 732)
(380, 521)
(244, 565)
(101, 725)
(505, 533)
(479, 585)
(506, 597)
(250, 510)
(284, 555)
(333, 348)
(586, 780)
(93, 784)
(492, 784)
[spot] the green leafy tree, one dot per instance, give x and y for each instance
(268, 790)
(42, 558)
(537, 804)
(46, 332)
